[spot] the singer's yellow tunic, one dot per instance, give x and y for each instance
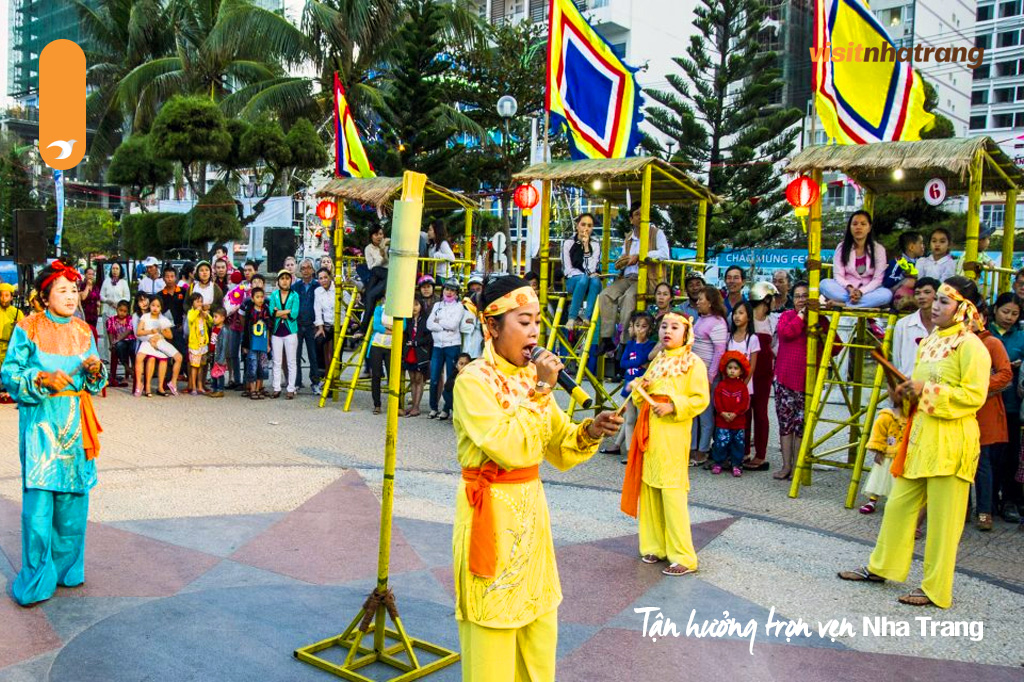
(942, 457)
(508, 624)
(664, 518)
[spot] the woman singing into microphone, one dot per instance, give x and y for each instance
(506, 423)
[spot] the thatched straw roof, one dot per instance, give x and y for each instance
(380, 192)
(669, 184)
(872, 165)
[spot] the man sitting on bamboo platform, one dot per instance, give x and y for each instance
(618, 300)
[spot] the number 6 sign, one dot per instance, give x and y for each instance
(935, 191)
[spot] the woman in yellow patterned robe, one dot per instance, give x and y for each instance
(506, 423)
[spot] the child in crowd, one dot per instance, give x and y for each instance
(380, 351)
(256, 342)
(218, 354)
(939, 264)
(732, 402)
(461, 362)
(419, 345)
(884, 444)
(634, 360)
(121, 335)
(533, 279)
(984, 262)
(198, 342)
(444, 322)
(743, 338)
(155, 334)
(426, 292)
(901, 273)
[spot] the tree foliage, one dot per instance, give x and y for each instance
(722, 113)
(136, 167)
(88, 232)
(15, 189)
(193, 132)
(943, 127)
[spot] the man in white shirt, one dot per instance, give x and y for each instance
(618, 300)
(910, 330)
(151, 283)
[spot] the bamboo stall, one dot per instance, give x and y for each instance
(971, 167)
(379, 193)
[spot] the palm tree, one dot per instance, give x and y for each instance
(125, 34)
(219, 46)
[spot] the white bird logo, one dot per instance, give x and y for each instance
(65, 147)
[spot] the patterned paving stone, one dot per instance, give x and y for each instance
(217, 535)
(26, 632)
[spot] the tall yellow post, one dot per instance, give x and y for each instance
(1009, 228)
(869, 202)
(339, 282)
(469, 241)
(645, 238)
(813, 305)
(702, 232)
(545, 230)
(381, 602)
(973, 215)
(606, 235)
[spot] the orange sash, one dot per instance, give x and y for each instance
(896, 469)
(630, 500)
(483, 552)
(91, 428)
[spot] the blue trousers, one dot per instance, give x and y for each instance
(443, 359)
(52, 544)
(582, 287)
(233, 342)
(730, 445)
(983, 480)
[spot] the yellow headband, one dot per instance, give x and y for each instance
(5, 286)
(966, 312)
(516, 298)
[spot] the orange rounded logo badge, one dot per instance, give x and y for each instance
(62, 104)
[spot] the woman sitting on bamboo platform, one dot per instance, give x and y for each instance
(506, 423)
(938, 459)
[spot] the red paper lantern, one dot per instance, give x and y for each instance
(326, 211)
(801, 193)
(526, 197)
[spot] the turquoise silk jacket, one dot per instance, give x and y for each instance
(50, 433)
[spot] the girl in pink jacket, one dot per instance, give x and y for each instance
(858, 268)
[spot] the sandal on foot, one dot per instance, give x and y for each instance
(678, 569)
(916, 598)
(649, 559)
(868, 508)
(861, 574)
(760, 466)
(780, 475)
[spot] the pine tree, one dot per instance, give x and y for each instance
(416, 134)
(726, 123)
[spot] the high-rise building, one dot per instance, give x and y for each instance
(789, 31)
(913, 23)
(33, 25)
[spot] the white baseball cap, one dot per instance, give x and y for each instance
(150, 261)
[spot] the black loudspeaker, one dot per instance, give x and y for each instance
(31, 238)
(279, 245)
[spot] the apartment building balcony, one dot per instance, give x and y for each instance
(608, 15)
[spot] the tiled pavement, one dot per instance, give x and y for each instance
(182, 584)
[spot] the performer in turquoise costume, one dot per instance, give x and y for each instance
(52, 371)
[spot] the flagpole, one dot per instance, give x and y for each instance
(547, 124)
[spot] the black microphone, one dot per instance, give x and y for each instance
(566, 382)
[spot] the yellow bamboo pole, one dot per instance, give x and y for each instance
(813, 305)
(645, 238)
(702, 232)
(469, 244)
(555, 322)
(545, 230)
(1009, 228)
(869, 202)
(606, 235)
(973, 215)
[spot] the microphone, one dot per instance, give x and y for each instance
(566, 382)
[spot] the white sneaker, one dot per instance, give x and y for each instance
(433, 414)
(442, 416)
(318, 388)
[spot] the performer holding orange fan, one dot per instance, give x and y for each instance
(52, 371)
(506, 423)
(657, 475)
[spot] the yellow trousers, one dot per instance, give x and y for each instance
(894, 550)
(525, 654)
(665, 525)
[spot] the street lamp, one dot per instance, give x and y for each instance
(507, 107)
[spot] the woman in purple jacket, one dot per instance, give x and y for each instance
(858, 268)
